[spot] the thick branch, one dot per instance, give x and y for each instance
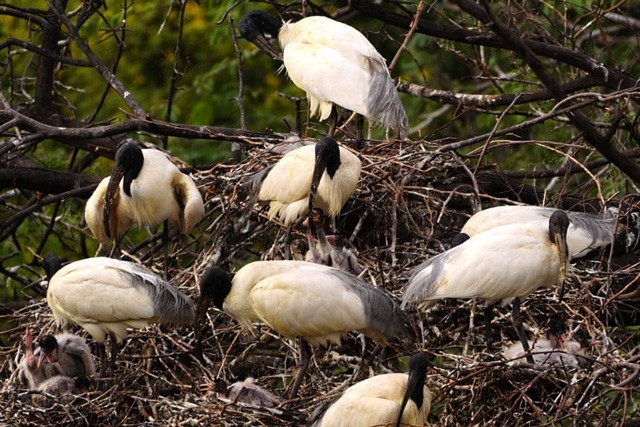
(71, 135)
(472, 100)
(46, 64)
(46, 181)
(100, 66)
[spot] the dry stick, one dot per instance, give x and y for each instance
(174, 72)
(99, 65)
(405, 42)
(121, 46)
(236, 148)
(11, 223)
(490, 136)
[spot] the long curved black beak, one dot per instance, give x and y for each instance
(265, 45)
(204, 302)
(415, 382)
(112, 187)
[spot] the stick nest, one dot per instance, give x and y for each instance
(407, 207)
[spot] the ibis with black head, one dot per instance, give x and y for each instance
(298, 299)
(146, 189)
(586, 231)
(70, 352)
(334, 64)
(106, 296)
(387, 399)
(502, 264)
(322, 175)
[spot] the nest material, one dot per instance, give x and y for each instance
(400, 214)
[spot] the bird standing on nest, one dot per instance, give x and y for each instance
(146, 189)
(334, 64)
(107, 296)
(504, 263)
(312, 302)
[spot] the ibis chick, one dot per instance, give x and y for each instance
(312, 302)
(247, 392)
(70, 352)
(33, 369)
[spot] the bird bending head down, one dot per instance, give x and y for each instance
(334, 64)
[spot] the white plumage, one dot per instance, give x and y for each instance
(334, 64)
(107, 296)
(498, 264)
(304, 300)
(334, 171)
(152, 190)
(503, 263)
(586, 231)
(378, 401)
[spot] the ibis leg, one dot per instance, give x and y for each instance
(488, 328)
(287, 243)
(517, 323)
(165, 241)
(305, 357)
(102, 353)
(359, 131)
(114, 353)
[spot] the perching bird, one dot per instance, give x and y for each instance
(323, 175)
(70, 352)
(556, 350)
(334, 64)
(59, 386)
(107, 296)
(383, 400)
(247, 392)
(153, 190)
(504, 263)
(586, 231)
(303, 300)
(34, 369)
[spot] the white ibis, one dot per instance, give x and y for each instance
(312, 302)
(107, 296)
(383, 400)
(34, 370)
(70, 352)
(146, 189)
(554, 351)
(59, 386)
(322, 175)
(586, 231)
(504, 263)
(247, 392)
(334, 64)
